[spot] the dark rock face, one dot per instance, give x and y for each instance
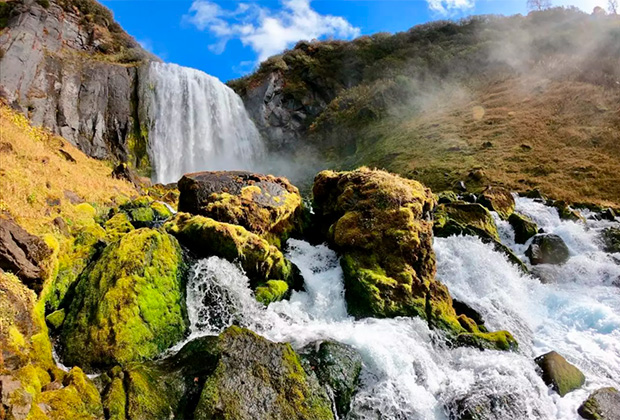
(22, 254)
(559, 374)
(337, 366)
(524, 227)
(547, 248)
(263, 204)
(611, 238)
(89, 102)
(602, 404)
(498, 199)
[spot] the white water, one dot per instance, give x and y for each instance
(408, 373)
(195, 123)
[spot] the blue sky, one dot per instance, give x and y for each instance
(229, 38)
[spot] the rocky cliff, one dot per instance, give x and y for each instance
(69, 67)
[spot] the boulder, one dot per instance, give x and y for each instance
(609, 214)
(447, 197)
(23, 254)
(144, 212)
(129, 305)
(206, 237)
(263, 204)
(123, 171)
(566, 212)
(464, 219)
(602, 404)
(611, 239)
(499, 200)
(559, 374)
(251, 370)
(547, 248)
(523, 226)
(337, 366)
(381, 224)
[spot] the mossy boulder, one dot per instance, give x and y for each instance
(206, 237)
(117, 226)
(559, 374)
(602, 404)
(566, 212)
(252, 369)
(337, 366)
(447, 197)
(263, 204)
(523, 227)
(272, 291)
(499, 200)
(547, 248)
(129, 305)
(464, 219)
(144, 212)
(611, 239)
(381, 224)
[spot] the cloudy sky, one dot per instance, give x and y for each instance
(229, 38)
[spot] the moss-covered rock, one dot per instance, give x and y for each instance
(144, 212)
(78, 398)
(464, 219)
(272, 291)
(447, 197)
(499, 200)
(559, 374)
(254, 369)
(337, 366)
(566, 212)
(611, 239)
(206, 237)
(547, 248)
(523, 226)
(56, 319)
(602, 404)
(117, 226)
(129, 305)
(381, 224)
(263, 204)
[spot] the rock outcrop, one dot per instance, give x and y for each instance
(602, 404)
(547, 248)
(71, 68)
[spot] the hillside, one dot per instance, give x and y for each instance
(531, 100)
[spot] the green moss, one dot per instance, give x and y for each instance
(260, 260)
(464, 219)
(498, 340)
(117, 226)
(114, 403)
(272, 291)
(130, 304)
(145, 398)
(498, 199)
(56, 318)
(78, 399)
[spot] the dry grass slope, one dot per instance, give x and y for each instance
(36, 176)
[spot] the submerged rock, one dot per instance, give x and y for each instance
(611, 238)
(523, 226)
(559, 374)
(464, 219)
(256, 379)
(337, 366)
(263, 204)
(547, 248)
(602, 404)
(206, 237)
(498, 199)
(381, 224)
(129, 305)
(23, 254)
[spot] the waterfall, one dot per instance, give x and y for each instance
(194, 123)
(410, 374)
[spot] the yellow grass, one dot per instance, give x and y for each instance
(34, 174)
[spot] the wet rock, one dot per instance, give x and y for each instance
(559, 374)
(602, 404)
(566, 212)
(447, 197)
(23, 254)
(381, 224)
(252, 369)
(523, 226)
(337, 366)
(608, 214)
(144, 212)
(460, 186)
(547, 248)
(260, 260)
(263, 204)
(611, 239)
(498, 199)
(464, 219)
(143, 271)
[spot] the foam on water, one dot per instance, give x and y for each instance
(195, 123)
(408, 371)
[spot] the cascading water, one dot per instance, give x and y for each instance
(408, 371)
(194, 122)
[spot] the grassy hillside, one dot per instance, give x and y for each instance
(533, 101)
(43, 176)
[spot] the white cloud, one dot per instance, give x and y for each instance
(266, 31)
(450, 7)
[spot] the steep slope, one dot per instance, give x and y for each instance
(69, 67)
(532, 101)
